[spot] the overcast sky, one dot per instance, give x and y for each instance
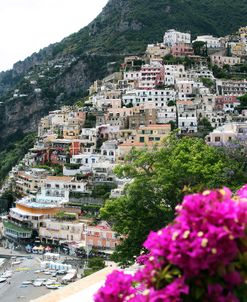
(26, 26)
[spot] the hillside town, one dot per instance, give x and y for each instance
(67, 175)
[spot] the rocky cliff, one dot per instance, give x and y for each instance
(62, 72)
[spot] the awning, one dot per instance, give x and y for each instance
(109, 252)
(38, 248)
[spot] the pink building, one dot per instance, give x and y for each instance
(151, 76)
(182, 49)
(101, 237)
(226, 102)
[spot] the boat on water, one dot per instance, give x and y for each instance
(37, 283)
(53, 286)
(16, 262)
(26, 282)
(7, 274)
(2, 279)
(50, 282)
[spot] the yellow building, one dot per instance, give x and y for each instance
(71, 131)
(30, 182)
(239, 49)
(53, 231)
(144, 137)
(152, 134)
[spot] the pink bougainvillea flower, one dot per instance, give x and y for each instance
(204, 243)
(117, 287)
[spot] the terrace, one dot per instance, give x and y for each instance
(16, 231)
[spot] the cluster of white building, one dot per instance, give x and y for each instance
(134, 108)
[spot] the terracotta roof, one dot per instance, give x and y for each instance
(188, 102)
(99, 227)
(59, 178)
(137, 144)
(23, 174)
(155, 126)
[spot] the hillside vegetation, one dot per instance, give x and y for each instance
(64, 71)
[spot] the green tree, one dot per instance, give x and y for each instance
(14, 152)
(94, 265)
(204, 126)
(65, 216)
(207, 82)
(186, 61)
(243, 103)
(161, 178)
(7, 200)
(200, 48)
(102, 190)
(90, 120)
(171, 103)
(220, 73)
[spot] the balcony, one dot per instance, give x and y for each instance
(16, 231)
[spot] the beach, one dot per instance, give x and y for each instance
(12, 289)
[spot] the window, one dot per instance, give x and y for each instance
(217, 139)
(142, 139)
